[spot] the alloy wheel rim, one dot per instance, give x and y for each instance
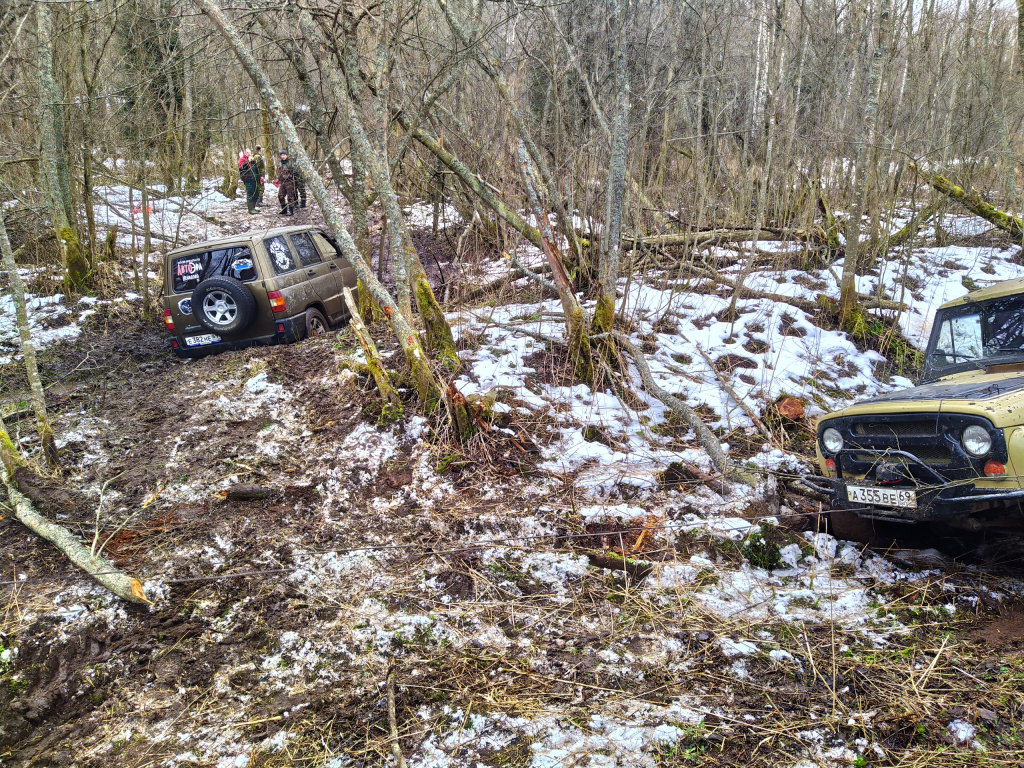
(220, 308)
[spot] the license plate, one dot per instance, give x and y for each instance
(198, 341)
(882, 497)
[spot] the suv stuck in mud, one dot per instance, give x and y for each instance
(268, 287)
(948, 452)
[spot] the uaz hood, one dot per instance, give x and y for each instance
(986, 389)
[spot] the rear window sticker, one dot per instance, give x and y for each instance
(188, 271)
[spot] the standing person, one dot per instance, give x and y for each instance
(261, 172)
(247, 171)
(286, 185)
(300, 187)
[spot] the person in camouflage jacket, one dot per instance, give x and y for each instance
(286, 185)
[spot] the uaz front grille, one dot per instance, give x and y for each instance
(932, 438)
(895, 428)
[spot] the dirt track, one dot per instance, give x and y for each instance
(472, 583)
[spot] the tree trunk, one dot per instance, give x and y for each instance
(608, 264)
(53, 162)
(28, 350)
(440, 341)
(426, 385)
(576, 324)
(147, 240)
(373, 361)
(774, 80)
(865, 141)
(1020, 37)
(493, 71)
(481, 190)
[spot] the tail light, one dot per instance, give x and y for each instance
(168, 319)
(276, 301)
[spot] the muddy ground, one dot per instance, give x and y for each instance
(380, 550)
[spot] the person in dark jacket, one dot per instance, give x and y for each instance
(261, 172)
(300, 187)
(249, 176)
(286, 185)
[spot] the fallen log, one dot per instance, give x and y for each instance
(249, 492)
(708, 440)
(906, 233)
(971, 200)
(613, 561)
(709, 236)
(517, 272)
(751, 293)
(121, 584)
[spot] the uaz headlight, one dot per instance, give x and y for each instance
(977, 441)
(831, 440)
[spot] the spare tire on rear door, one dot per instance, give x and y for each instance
(223, 305)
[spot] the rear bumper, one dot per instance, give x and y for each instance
(288, 329)
(937, 497)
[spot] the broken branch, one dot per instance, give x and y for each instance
(121, 584)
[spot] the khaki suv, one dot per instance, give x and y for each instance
(950, 451)
(269, 287)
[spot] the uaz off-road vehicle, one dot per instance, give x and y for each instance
(950, 451)
(269, 287)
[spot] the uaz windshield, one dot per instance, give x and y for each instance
(975, 335)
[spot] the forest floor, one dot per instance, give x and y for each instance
(383, 556)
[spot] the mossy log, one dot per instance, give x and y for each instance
(906, 233)
(373, 362)
(831, 229)
(971, 200)
(440, 342)
(229, 187)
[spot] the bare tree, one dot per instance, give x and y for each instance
(28, 350)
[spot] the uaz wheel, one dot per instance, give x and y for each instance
(223, 305)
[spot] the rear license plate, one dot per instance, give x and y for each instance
(882, 497)
(199, 341)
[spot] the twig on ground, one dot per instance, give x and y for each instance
(396, 748)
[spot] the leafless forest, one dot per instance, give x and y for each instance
(538, 504)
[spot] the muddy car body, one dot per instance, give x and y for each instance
(267, 287)
(951, 450)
